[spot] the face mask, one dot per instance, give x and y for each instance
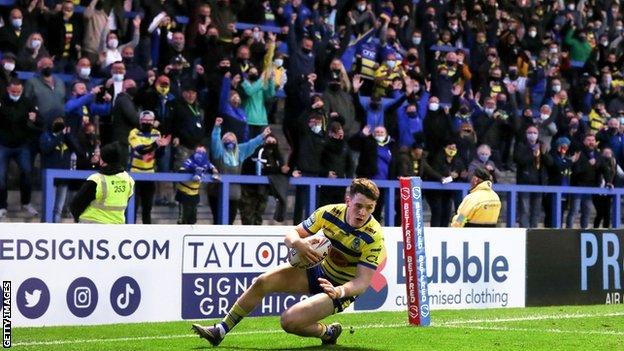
(380, 139)
(391, 64)
(361, 7)
(16, 22)
(450, 152)
(35, 44)
(531, 137)
(9, 66)
(162, 90)
(316, 129)
(278, 62)
(484, 158)
(416, 40)
(544, 116)
(513, 75)
(411, 58)
(571, 7)
(573, 126)
(46, 71)
(618, 28)
(85, 72)
(334, 86)
(118, 77)
(229, 145)
(58, 127)
(434, 106)
(306, 51)
(253, 77)
(604, 43)
(113, 43)
(14, 97)
(128, 60)
(257, 35)
(532, 34)
(146, 127)
(556, 88)
(454, 27)
(489, 111)
(553, 50)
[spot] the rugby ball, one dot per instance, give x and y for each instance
(321, 247)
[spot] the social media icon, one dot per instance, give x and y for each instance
(82, 297)
(33, 298)
(125, 296)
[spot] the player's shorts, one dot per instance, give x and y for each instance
(315, 288)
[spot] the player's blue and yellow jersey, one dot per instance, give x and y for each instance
(350, 246)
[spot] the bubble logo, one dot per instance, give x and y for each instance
(376, 294)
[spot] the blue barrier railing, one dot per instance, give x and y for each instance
(312, 184)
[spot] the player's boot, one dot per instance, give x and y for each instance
(333, 332)
(211, 334)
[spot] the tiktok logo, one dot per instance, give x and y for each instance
(125, 296)
(376, 294)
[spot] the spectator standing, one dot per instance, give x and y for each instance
(532, 160)
(336, 163)
(607, 180)
(125, 116)
(451, 168)
(187, 125)
(229, 156)
(57, 147)
(559, 173)
(187, 193)
(586, 171)
(19, 120)
(375, 158)
(47, 90)
(144, 141)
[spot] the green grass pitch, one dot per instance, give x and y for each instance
(551, 328)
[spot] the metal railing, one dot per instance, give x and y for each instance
(388, 186)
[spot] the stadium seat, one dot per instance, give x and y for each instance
(7, 3)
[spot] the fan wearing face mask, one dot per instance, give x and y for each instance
(7, 70)
(532, 159)
(144, 141)
(34, 49)
(375, 147)
(228, 156)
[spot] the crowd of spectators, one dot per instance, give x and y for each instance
(376, 89)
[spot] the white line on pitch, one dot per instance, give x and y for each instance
(179, 336)
(532, 318)
(541, 330)
(458, 324)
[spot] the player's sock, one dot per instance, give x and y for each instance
(324, 329)
(234, 315)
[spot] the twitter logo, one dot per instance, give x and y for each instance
(32, 299)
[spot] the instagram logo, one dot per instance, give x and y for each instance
(82, 297)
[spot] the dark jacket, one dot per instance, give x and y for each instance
(16, 128)
(438, 128)
(405, 165)
(368, 162)
(56, 35)
(530, 169)
(444, 168)
(9, 40)
(56, 149)
(125, 117)
(336, 157)
(560, 170)
(308, 158)
(187, 123)
(586, 174)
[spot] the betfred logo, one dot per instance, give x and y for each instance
(405, 194)
(375, 296)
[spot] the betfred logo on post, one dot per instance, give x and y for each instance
(217, 269)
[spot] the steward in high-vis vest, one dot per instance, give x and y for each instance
(481, 207)
(103, 198)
